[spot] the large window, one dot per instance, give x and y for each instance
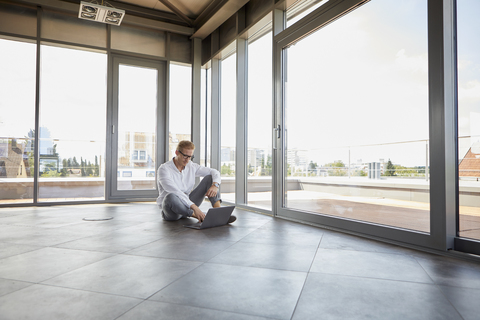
(357, 117)
(228, 126)
(72, 124)
(259, 130)
(17, 121)
(468, 27)
(180, 106)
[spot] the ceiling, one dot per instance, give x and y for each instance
(183, 8)
(204, 16)
(196, 18)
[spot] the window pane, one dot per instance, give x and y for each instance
(17, 121)
(180, 114)
(137, 114)
(228, 126)
(259, 157)
(72, 124)
(205, 114)
(357, 117)
(468, 27)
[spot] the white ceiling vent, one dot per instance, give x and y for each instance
(101, 13)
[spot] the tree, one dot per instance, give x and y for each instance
(75, 163)
(337, 168)
(82, 167)
(63, 172)
(390, 169)
(267, 167)
(97, 168)
(225, 170)
(336, 163)
(89, 169)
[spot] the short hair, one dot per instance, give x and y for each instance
(185, 144)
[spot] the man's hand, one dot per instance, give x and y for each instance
(212, 192)
(197, 213)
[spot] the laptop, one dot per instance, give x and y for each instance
(215, 217)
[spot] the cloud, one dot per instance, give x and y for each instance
(464, 64)
(418, 63)
(469, 90)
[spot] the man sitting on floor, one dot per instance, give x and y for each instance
(176, 178)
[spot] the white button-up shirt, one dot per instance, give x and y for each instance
(171, 180)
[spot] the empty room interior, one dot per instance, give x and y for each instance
(342, 131)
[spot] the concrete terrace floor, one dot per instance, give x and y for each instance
(55, 265)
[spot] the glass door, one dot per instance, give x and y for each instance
(137, 126)
(352, 120)
(355, 156)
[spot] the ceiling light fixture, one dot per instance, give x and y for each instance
(103, 12)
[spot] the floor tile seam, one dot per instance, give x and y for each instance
(424, 270)
(457, 286)
(257, 227)
(25, 226)
(40, 227)
(90, 291)
(244, 236)
(236, 226)
(89, 250)
(122, 252)
(80, 267)
(16, 244)
(174, 281)
(283, 245)
(254, 267)
(300, 295)
(364, 251)
(257, 267)
(165, 258)
(138, 304)
(373, 278)
(232, 244)
(29, 282)
(306, 278)
(315, 255)
(213, 309)
(450, 302)
(82, 238)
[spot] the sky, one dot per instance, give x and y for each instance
(365, 83)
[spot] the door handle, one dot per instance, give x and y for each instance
(275, 136)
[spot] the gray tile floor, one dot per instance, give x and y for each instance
(55, 265)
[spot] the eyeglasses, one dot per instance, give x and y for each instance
(185, 156)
